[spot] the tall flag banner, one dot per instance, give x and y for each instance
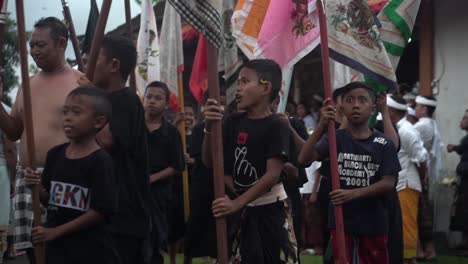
(172, 56)
(397, 19)
(354, 40)
(376, 5)
(3, 11)
(204, 16)
(148, 65)
(90, 27)
(247, 21)
(228, 60)
(199, 78)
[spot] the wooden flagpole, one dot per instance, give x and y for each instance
(28, 122)
(217, 153)
(182, 130)
(339, 239)
(98, 37)
(128, 25)
(73, 38)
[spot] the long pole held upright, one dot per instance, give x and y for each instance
(73, 38)
(182, 130)
(128, 25)
(98, 37)
(28, 122)
(339, 239)
(217, 153)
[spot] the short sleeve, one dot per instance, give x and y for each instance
(417, 152)
(103, 195)
(322, 147)
(390, 165)
(176, 152)
(278, 145)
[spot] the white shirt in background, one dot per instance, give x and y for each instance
(310, 171)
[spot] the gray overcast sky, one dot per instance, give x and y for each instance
(35, 9)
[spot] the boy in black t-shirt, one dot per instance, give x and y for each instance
(125, 138)
(78, 186)
(367, 165)
(256, 146)
(165, 154)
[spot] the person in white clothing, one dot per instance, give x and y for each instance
(427, 127)
(412, 156)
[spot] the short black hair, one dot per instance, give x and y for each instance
(101, 103)
(267, 70)
(337, 93)
(356, 85)
(430, 109)
(161, 85)
(397, 98)
(57, 27)
(122, 49)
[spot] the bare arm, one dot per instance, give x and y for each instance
(385, 185)
(224, 206)
(164, 174)
(11, 125)
(389, 129)
(213, 113)
(90, 218)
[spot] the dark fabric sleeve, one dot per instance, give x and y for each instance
(176, 152)
(197, 141)
(390, 164)
(46, 176)
(322, 147)
(278, 141)
(103, 196)
(300, 128)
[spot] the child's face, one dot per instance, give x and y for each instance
(189, 116)
(154, 101)
(421, 110)
(358, 106)
(249, 90)
(79, 117)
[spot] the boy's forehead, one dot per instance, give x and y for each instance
(247, 73)
(358, 92)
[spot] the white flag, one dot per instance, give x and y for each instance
(172, 57)
(147, 68)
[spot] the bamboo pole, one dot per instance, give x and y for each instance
(97, 40)
(217, 153)
(339, 239)
(73, 38)
(182, 130)
(128, 25)
(28, 122)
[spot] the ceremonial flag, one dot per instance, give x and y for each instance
(199, 78)
(247, 21)
(148, 67)
(172, 56)
(397, 19)
(204, 16)
(90, 27)
(354, 40)
(3, 11)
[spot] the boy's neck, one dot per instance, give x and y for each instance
(82, 147)
(259, 111)
(360, 131)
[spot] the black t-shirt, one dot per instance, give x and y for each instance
(130, 155)
(165, 148)
(249, 143)
(78, 185)
(462, 150)
(360, 164)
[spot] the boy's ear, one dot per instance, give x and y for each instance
(374, 108)
(267, 87)
(100, 122)
(115, 65)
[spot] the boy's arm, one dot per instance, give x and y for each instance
(308, 152)
(166, 173)
(90, 218)
(12, 124)
(213, 113)
(389, 129)
(225, 206)
(341, 196)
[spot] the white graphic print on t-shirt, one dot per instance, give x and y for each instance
(69, 196)
(356, 170)
(243, 169)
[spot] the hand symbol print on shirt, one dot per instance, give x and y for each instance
(243, 169)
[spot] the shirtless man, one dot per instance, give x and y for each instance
(49, 89)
